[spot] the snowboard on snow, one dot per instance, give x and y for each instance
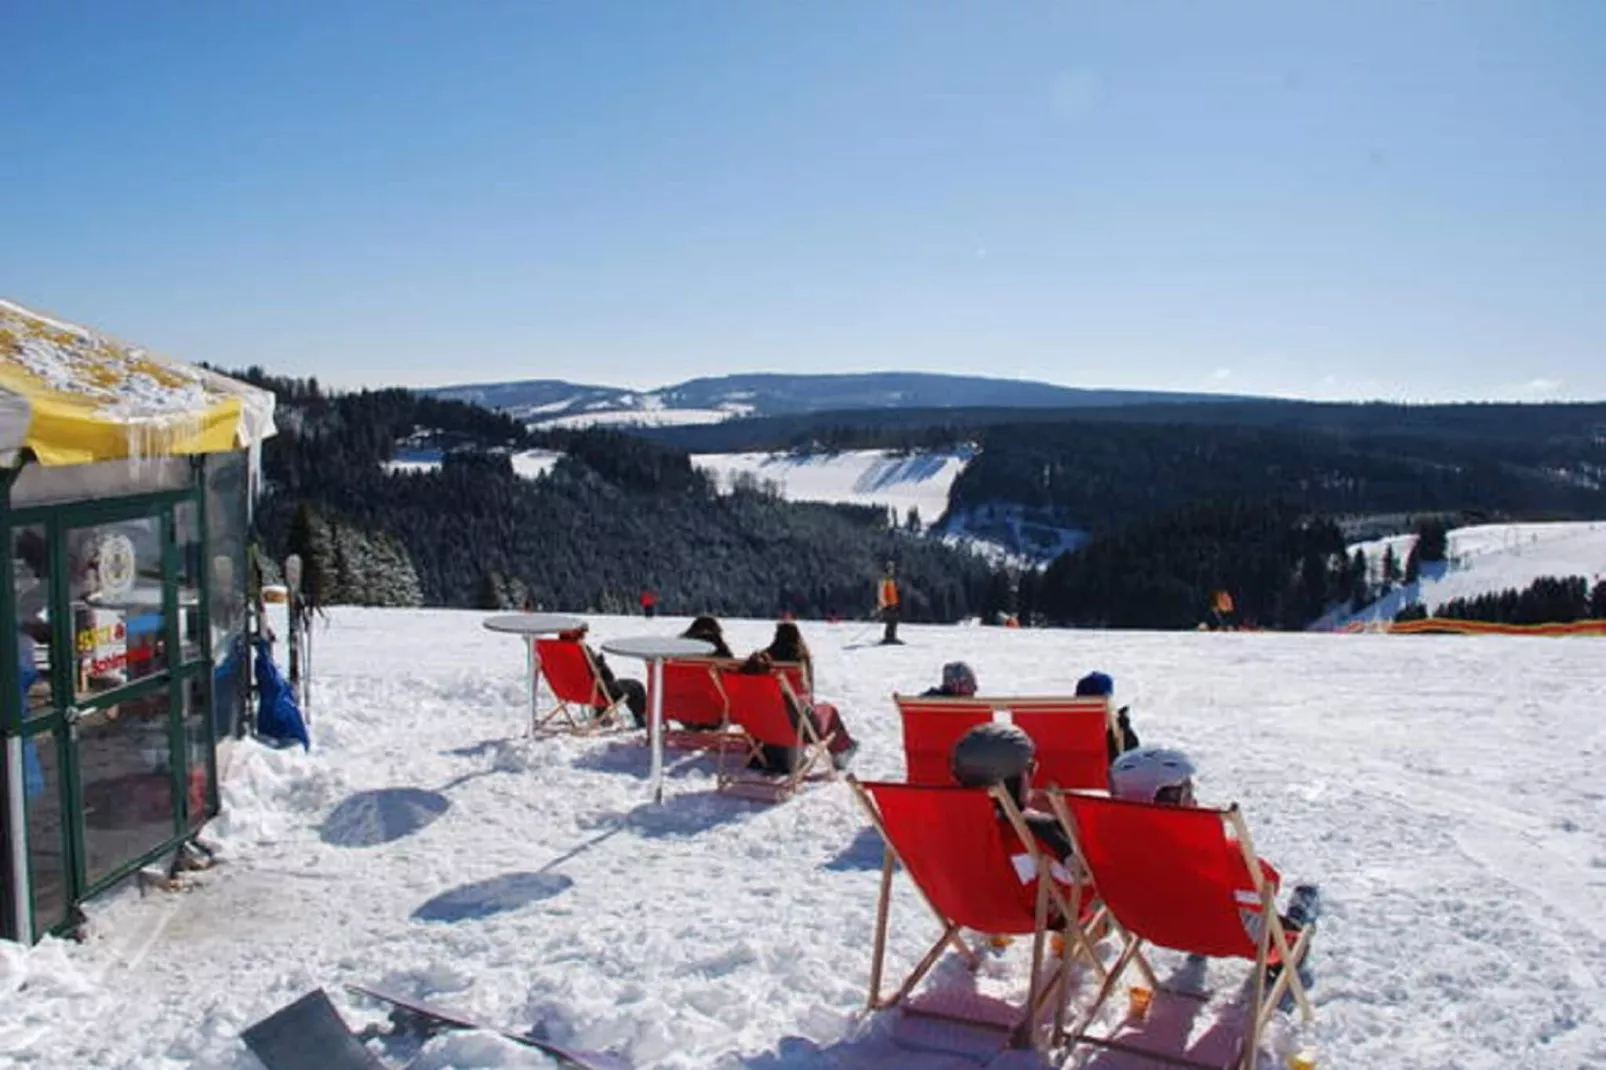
(309, 1034)
(420, 1016)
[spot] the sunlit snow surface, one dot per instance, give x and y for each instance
(1446, 793)
(860, 477)
(1482, 559)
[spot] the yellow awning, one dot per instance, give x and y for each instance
(74, 396)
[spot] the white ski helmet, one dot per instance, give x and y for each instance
(1141, 774)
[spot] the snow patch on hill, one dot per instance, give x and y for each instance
(527, 463)
(1482, 559)
(899, 481)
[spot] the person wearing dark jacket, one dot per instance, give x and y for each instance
(957, 682)
(707, 629)
(627, 690)
(824, 716)
(1122, 738)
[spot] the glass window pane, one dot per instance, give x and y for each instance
(30, 581)
(115, 583)
(187, 531)
(126, 773)
(47, 857)
(197, 748)
(227, 476)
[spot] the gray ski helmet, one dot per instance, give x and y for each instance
(1141, 774)
(990, 754)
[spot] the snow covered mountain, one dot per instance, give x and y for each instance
(556, 403)
(1484, 559)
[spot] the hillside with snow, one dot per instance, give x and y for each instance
(897, 481)
(556, 403)
(427, 845)
(1483, 559)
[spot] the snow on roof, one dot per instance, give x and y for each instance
(90, 378)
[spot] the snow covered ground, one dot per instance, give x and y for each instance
(1483, 559)
(1445, 792)
(527, 463)
(858, 477)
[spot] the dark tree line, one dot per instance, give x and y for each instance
(615, 515)
(1548, 600)
(1281, 567)
(1101, 477)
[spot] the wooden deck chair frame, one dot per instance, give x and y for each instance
(1272, 936)
(1034, 714)
(596, 712)
(733, 777)
(921, 763)
(715, 737)
(1073, 935)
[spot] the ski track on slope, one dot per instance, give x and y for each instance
(1440, 789)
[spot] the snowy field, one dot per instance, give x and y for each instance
(1446, 793)
(1483, 559)
(526, 463)
(858, 477)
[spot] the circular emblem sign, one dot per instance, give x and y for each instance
(116, 565)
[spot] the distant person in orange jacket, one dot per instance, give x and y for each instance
(889, 606)
(649, 603)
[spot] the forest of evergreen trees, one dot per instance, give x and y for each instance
(615, 515)
(1281, 566)
(1548, 600)
(1178, 513)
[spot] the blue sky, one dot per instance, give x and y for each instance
(1388, 199)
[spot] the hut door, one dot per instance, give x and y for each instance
(126, 662)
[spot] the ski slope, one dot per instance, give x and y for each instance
(1480, 560)
(1444, 791)
(526, 463)
(858, 477)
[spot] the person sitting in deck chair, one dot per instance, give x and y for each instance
(823, 715)
(1165, 776)
(1001, 754)
(708, 630)
(957, 682)
(1100, 683)
(631, 691)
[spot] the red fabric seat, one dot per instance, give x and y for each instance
(931, 726)
(980, 873)
(571, 674)
(1184, 878)
(692, 695)
(761, 704)
(1069, 734)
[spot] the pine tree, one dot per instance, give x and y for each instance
(1391, 568)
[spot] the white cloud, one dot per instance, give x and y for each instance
(1537, 388)
(1221, 374)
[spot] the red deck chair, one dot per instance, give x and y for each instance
(795, 678)
(758, 706)
(694, 698)
(1185, 878)
(1069, 734)
(974, 872)
(583, 704)
(931, 726)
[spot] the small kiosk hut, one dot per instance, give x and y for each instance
(125, 489)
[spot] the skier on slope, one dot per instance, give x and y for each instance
(888, 605)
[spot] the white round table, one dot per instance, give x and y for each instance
(531, 625)
(653, 649)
